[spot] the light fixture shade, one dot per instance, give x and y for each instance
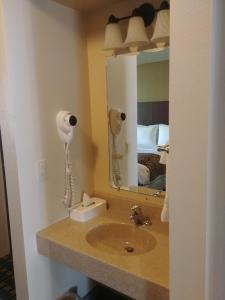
(113, 37)
(161, 34)
(136, 35)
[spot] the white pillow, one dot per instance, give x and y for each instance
(147, 135)
(143, 175)
(163, 134)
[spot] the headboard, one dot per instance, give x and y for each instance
(150, 113)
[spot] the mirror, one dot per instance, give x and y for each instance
(138, 115)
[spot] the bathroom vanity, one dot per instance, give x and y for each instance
(113, 251)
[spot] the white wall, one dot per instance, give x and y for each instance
(122, 95)
(47, 71)
(130, 102)
(190, 68)
(6, 121)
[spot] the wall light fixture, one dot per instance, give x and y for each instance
(141, 17)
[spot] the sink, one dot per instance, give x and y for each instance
(121, 239)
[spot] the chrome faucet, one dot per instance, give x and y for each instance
(137, 216)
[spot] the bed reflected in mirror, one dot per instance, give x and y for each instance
(138, 114)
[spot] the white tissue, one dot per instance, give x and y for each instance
(87, 201)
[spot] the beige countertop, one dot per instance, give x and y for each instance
(144, 277)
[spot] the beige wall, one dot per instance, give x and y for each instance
(95, 24)
(153, 81)
(47, 71)
(4, 235)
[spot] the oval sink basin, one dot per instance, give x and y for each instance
(121, 239)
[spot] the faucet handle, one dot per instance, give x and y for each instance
(134, 207)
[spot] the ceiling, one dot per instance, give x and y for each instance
(87, 5)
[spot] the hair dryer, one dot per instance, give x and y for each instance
(66, 122)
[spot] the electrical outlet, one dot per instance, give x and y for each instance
(42, 170)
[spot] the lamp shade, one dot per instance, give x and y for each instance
(162, 29)
(136, 35)
(113, 37)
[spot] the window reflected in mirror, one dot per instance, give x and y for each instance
(138, 114)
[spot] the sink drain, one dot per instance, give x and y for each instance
(129, 249)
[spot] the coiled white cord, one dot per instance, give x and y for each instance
(69, 193)
(116, 165)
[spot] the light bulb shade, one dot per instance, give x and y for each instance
(113, 37)
(161, 34)
(136, 35)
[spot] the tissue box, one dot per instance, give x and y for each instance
(84, 214)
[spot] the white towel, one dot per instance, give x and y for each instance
(165, 212)
(163, 157)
